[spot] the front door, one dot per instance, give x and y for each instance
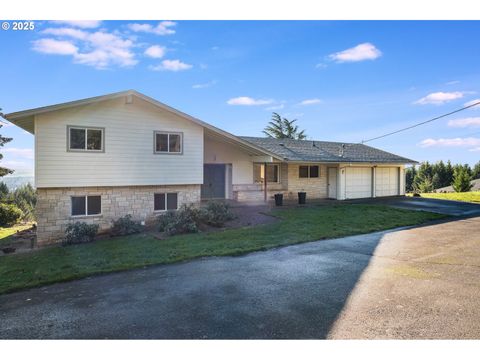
(332, 183)
(213, 181)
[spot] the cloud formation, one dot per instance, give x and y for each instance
(465, 122)
(204, 85)
(471, 102)
(248, 101)
(83, 24)
(310, 102)
(361, 52)
(162, 28)
(171, 65)
(23, 153)
(439, 98)
(99, 49)
(451, 142)
(155, 51)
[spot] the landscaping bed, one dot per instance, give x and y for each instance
(470, 196)
(296, 225)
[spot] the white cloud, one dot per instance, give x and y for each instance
(248, 101)
(451, 142)
(83, 24)
(439, 98)
(361, 52)
(454, 82)
(155, 51)
(469, 103)
(275, 107)
(204, 85)
(465, 122)
(55, 47)
(4, 123)
(310, 102)
(23, 153)
(321, 66)
(163, 28)
(171, 65)
(99, 49)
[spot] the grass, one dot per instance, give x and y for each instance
(297, 225)
(5, 233)
(471, 196)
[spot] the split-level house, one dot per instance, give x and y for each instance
(101, 158)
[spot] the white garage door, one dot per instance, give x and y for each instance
(386, 181)
(358, 183)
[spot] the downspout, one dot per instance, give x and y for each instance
(265, 182)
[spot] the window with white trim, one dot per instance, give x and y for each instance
(86, 205)
(168, 142)
(85, 139)
(165, 201)
(305, 171)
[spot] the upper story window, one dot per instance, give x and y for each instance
(168, 142)
(305, 171)
(85, 139)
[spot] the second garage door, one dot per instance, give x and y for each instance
(386, 181)
(358, 183)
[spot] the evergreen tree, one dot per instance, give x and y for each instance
(409, 176)
(448, 174)
(282, 128)
(436, 181)
(3, 191)
(476, 171)
(461, 179)
(3, 141)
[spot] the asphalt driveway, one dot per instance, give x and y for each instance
(411, 283)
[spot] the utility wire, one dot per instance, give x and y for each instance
(421, 123)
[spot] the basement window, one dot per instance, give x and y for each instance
(165, 201)
(85, 139)
(86, 205)
(305, 171)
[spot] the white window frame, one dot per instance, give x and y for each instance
(86, 206)
(166, 201)
(86, 128)
(168, 133)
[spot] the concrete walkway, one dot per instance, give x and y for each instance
(415, 283)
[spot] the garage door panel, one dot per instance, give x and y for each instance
(386, 181)
(358, 183)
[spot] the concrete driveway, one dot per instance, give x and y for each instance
(411, 283)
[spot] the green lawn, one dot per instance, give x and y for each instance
(297, 225)
(471, 196)
(5, 233)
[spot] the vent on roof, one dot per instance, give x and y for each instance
(342, 150)
(281, 144)
(313, 144)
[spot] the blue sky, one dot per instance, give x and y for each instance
(343, 81)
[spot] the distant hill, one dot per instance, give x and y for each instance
(449, 189)
(14, 182)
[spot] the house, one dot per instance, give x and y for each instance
(100, 158)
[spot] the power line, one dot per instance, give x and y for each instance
(421, 123)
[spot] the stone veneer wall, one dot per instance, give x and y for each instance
(54, 206)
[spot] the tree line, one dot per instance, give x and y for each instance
(428, 177)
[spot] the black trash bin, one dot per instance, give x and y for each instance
(278, 199)
(302, 197)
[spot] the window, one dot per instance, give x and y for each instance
(165, 201)
(305, 171)
(272, 173)
(85, 139)
(86, 205)
(170, 143)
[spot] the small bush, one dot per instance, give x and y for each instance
(10, 214)
(125, 226)
(184, 220)
(216, 214)
(80, 232)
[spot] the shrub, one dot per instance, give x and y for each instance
(10, 214)
(125, 226)
(184, 220)
(80, 232)
(216, 214)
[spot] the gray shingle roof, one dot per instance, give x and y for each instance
(325, 151)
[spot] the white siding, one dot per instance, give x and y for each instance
(219, 152)
(128, 158)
